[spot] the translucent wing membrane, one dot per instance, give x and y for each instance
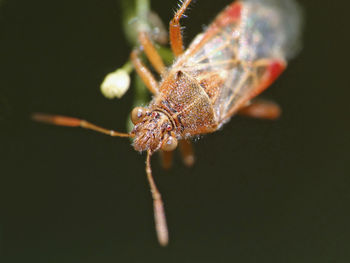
(278, 23)
(242, 52)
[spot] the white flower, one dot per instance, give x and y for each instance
(115, 84)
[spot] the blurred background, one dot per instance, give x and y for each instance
(260, 191)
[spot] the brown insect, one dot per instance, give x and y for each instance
(238, 56)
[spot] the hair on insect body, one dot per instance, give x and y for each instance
(219, 75)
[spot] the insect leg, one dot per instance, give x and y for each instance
(187, 152)
(151, 52)
(175, 30)
(159, 215)
(144, 72)
(262, 109)
(74, 122)
(167, 158)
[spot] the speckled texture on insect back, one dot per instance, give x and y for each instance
(240, 54)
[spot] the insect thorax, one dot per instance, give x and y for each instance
(187, 103)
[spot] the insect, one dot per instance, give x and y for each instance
(237, 57)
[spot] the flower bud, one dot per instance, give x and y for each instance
(115, 84)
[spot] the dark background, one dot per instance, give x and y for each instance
(260, 191)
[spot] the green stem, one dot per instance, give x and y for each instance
(142, 9)
(135, 15)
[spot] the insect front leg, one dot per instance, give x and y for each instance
(175, 30)
(261, 109)
(144, 73)
(167, 159)
(151, 52)
(187, 153)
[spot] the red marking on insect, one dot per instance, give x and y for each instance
(274, 70)
(240, 54)
(231, 14)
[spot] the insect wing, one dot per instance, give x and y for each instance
(242, 52)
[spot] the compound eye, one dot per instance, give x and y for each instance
(170, 144)
(138, 114)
